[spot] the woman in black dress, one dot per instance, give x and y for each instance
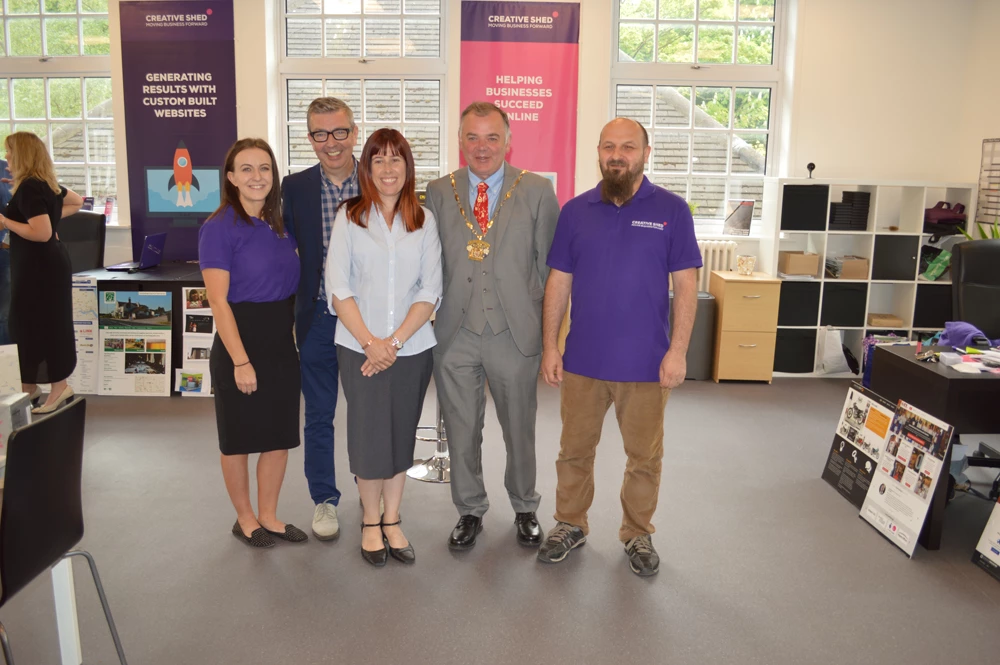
(251, 274)
(41, 302)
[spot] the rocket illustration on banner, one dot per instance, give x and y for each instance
(183, 177)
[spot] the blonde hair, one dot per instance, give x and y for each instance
(31, 160)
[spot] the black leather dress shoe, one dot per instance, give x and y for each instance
(529, 533)
(463, 536)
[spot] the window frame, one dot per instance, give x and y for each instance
(709, 75)
(47, 67)
(79, 15)
(389, 68)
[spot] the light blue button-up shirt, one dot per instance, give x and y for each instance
(386, 271)
(494, 185)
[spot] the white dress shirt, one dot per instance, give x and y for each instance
(386, 271)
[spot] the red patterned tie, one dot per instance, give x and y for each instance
(482, 208)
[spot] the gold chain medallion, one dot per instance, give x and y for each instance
(478, 248)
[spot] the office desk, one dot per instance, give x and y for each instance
(969, 402)
(170, 277)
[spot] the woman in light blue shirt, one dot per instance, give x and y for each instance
(383, 277)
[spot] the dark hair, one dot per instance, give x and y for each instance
(484, 109)
(386, 141)
(271, 212)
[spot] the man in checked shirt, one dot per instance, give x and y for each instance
(310, 201)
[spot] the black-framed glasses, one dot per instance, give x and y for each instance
(321, 135)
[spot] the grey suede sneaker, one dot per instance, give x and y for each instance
(642, 556)
(559, 541)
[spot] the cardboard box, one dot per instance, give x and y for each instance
(885, 321)
(798, 263)
(854, 267)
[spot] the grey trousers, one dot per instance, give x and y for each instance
(460, 375)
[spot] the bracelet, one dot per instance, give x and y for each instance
(368, 344)
(396, 343)
(242, 365)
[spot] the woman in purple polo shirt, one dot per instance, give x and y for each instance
(251, 272)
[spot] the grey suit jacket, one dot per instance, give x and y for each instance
(519, 246)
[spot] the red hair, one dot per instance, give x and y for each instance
(386, 142)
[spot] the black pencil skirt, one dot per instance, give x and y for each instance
(268, 418)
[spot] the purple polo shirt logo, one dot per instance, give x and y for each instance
(656, 226)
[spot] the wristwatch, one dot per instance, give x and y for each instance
(396, 343)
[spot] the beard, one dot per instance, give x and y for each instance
(617, 186)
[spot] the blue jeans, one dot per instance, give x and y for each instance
(318, 358)
(4, 295)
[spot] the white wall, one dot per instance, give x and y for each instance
(980, 98)
(878, 89)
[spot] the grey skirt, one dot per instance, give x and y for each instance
(383, 412)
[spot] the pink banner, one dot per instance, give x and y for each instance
(524, 57)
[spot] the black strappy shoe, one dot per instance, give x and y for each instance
(376, 558)
(402, 554)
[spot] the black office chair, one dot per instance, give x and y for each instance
(975, 285)
(83, 234)
(42, 515)
(975, 289)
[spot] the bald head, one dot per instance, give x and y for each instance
(622, 127)
(622, 151)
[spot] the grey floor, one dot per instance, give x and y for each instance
(762, 561)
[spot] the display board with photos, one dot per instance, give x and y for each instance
(987, 554)
(135, 341)
(194, 379)
(887, 459)
(858, 443)
(910, 467)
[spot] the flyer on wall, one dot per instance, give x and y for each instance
(909, 469)
(987, 554)
(858, 443)
(194, 378)
(84, 379)
(135, 342)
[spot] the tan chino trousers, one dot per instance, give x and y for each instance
(639, 408)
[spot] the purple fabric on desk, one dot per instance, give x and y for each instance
(960, 334)
(262, 266)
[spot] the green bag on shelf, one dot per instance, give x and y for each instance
(937, 267)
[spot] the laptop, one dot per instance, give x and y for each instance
(152, 254)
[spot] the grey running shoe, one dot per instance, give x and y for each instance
(642, 556)
(559, 541)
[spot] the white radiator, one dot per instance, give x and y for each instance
(715, 255)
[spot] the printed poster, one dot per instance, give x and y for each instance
(524, 57)
(858, 442)
(194, 378)
(987, 554)
(909, 468)
(135, 342)
(179, 86)
(84, 379)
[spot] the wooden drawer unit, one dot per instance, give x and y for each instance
(745, 355)
(746, 325)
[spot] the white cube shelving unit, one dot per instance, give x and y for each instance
(796, 216)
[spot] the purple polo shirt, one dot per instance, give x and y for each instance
(262, 266)
(621, 259)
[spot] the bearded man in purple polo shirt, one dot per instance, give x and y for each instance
(615, 249)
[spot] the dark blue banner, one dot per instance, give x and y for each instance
(179, 85)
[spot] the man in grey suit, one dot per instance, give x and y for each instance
(496, 224)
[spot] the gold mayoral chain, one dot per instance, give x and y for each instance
(477, 247)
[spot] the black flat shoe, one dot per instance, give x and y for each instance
(376, 558)
(291, 534)
(258, 538)
(463, 536)
(401, 554)
(529, 533)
